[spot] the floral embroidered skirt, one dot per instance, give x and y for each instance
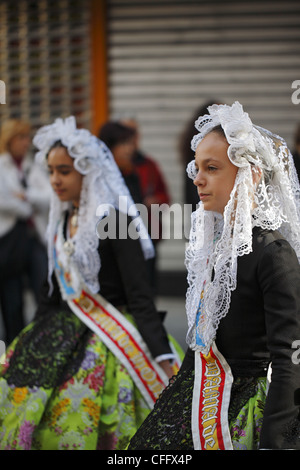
(61, 388)
(168, 426)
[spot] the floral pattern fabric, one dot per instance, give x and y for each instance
(168, 426)
(245, 428)
(98, 407)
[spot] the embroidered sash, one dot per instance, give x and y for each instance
(211, 396)
(117, 333)
(124, 340)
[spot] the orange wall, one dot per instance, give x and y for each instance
(99, 91)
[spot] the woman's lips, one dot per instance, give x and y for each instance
(203, 196)
(59, 192)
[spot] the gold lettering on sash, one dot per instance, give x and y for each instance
(124, 342)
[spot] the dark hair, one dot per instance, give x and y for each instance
(56, 145)
(113, 133)
(186, 153)
(219, 130)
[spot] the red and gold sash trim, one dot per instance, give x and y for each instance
(124, 340)
(211, 396)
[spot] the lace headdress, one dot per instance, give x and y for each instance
(217, 240)
(102, 186)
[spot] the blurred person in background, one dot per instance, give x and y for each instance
(142, 174)
(120, 140)
(153, 184)
(24, 202)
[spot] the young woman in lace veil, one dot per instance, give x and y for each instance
(88, 369)
(243, 299)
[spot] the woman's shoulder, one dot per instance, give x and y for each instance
(113, 224)
(117, 231)
(271, 253)
(264, 237)
(269, 244)
(264, 244)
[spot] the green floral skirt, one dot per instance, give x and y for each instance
(168, 426)
(61, 388)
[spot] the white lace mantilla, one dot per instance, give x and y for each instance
(215, 241)
(103, 186)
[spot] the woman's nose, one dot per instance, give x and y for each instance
(199, 180)
(54, 178)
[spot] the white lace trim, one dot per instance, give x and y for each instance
(102, 185)
(216, 242)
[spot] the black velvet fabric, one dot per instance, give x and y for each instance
(260, 328)
(124, 282)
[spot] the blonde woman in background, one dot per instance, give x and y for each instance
(24, 204)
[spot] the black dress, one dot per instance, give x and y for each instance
(260, 328)
(124, 282)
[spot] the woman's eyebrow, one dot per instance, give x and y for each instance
(208, 160)
(60, 167)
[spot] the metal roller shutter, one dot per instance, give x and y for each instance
(45, 60)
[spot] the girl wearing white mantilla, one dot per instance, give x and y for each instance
(88, 369)
(243, 299)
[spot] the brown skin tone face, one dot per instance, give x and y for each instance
(65, 180)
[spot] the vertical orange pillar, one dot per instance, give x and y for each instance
(99, 79)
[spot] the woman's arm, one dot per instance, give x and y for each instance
(279, 275)
(134, 275)
(49, 299)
